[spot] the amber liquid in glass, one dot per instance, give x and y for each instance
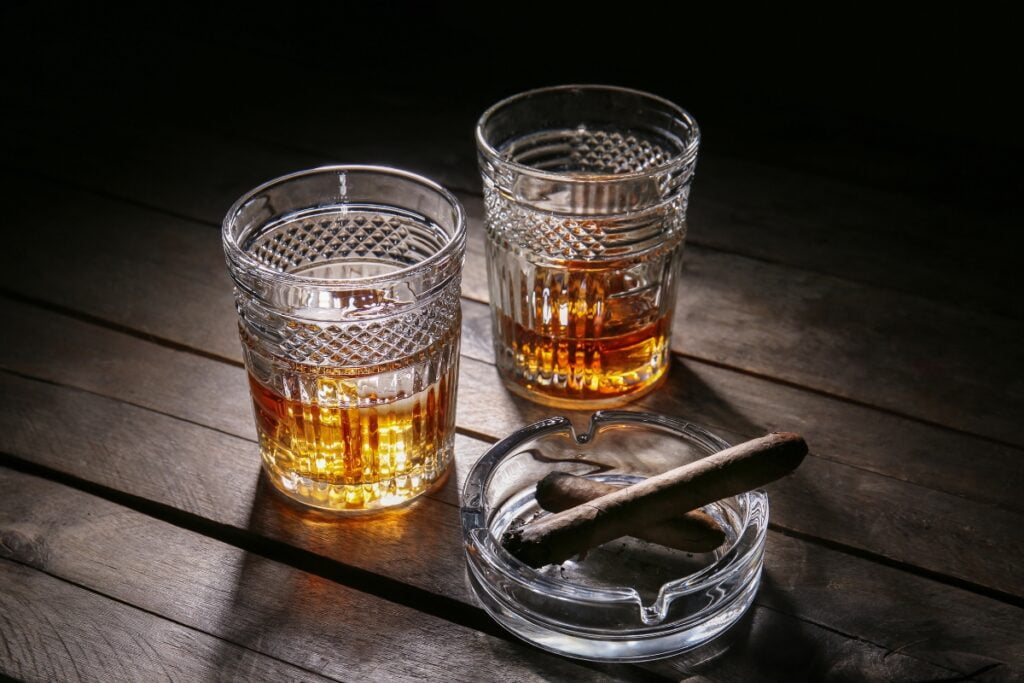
(333, 449)
(586, 337)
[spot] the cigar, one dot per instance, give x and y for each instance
(694, 531)
(749, 465)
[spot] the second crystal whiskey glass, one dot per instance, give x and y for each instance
(585, 191)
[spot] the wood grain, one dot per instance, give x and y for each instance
(154, 273)
(887, 238)
(854, 341)
(169, 280)
(864, 510)
(881, 237)
(859, 343)
(854, 435)
(745, 201)
(203, 584)
(215, 476)
(833, 501)
(323, 627)
(51, 630)
(861, 509)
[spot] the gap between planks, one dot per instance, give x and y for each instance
(120, 641)
(449, 609)
(240, 537)
(363, 580)
(236, 512)
(809, 533)
(37, 543)
(185, 348)
(840, 545)
(210, 205)
(178, 346)
(163, 618)
(680, 354)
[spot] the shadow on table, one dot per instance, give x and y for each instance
(297, 591)
(686, 395)
(364, 597)
(779, 648)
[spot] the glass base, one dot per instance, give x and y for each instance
(583, 404)
(334, 498)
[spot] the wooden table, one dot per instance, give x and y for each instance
(138, 540)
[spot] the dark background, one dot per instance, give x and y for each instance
(920, 103)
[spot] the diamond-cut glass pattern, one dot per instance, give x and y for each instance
(556, 236)
(577, 237)
(359, 343)
(604, 152)
(320, 238)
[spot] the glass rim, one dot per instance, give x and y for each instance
(688, 154)
(237, 256)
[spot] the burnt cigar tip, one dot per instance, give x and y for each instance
(550, 478)
(788, 436)
(533, 554)
(512, 539)
(791, 446)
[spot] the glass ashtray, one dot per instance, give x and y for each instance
(627, 600)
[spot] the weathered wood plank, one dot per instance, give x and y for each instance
(745, 202)
(879, 237)
(839, 431)
(215, 476)
(855, 342)
(875, 513)
(868, 345)
(142, 279)
(878, 514)
(322, 626)
(175, 383)
(728, 407)
(51, 630)
(250, 601)
(726, 400)
(831, 500)
(145, 164)
(154, 273)
(783, 649)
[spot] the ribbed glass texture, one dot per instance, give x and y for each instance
(585, 190)
(347, 289)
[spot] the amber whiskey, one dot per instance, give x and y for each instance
(583, 338)
(336, 447)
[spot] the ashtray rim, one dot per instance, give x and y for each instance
(485, 555)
